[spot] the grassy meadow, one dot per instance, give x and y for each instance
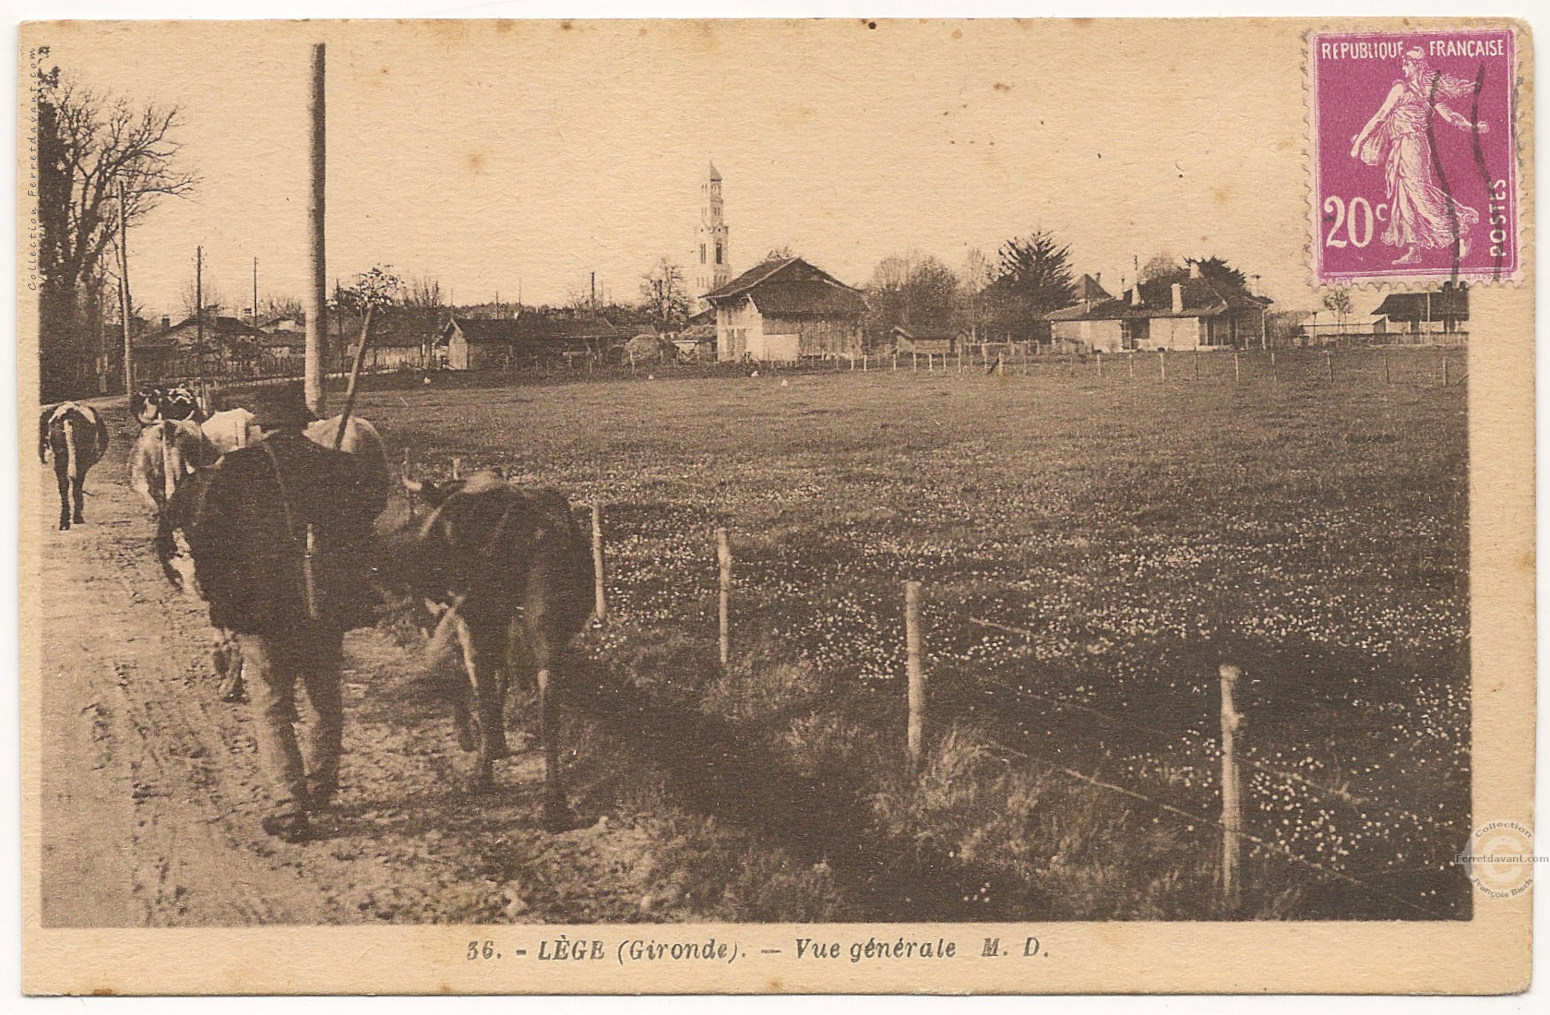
(1092, 546)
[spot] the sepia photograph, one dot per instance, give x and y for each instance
(747, 504)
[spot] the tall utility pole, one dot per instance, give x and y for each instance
(255, 294)
(594, 290)
(317, 304)
(125, 303)
(199, 313)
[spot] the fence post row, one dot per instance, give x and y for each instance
(1232, 811)
(917, 679)
(724, 604)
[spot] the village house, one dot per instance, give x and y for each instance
(471, 343)
(1178, 314)
(227, 347)
(786, 310)
(1424, 317)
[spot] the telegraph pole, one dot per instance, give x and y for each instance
(199, 313)
(255, 294)
(123, 288)
(317, 308)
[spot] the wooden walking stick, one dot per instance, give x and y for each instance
(355, 374)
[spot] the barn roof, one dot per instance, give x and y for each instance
(791, 287)
(808, 299)
(1444, 305)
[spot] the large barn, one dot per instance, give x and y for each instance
(786, 310)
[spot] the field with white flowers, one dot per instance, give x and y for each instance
(1091, 549)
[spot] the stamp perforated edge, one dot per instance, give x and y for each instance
(1521, 119)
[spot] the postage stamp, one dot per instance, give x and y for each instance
(1414, 155)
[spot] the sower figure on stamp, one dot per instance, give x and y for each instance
(282, 551)
(1421, 215)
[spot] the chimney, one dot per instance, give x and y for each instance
(1194, 269)
(1135, 294)
(1178, 298)
(166, 322)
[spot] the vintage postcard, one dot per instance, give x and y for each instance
(777, 506)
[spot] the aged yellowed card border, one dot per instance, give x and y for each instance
(1488, 954)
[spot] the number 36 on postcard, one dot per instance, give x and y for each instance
(1415, 158)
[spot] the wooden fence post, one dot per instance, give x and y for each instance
(1099, 356)
(599, 599)
(408, 461)
(1232, 810)
(1274, 375)
(1130, 362)
(1445, 369)
(724, 603)
(1162, 366)
(917, 679)
(1329, 362)
(457, 467)
(1235, 376)
(1386, 367)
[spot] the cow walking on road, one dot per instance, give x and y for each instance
(510, 573)
(77, 437)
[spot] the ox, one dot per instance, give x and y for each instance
(151, 404)
(231, 429)
(77, 436)
(165, 455)
(510, 574)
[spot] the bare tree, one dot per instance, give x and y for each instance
(1338, 302)
(376, 287)
(421, 292)
(974, 278)
(190, 294)
(104, 140)
(911, 289)
(665, 296)
(90, 143)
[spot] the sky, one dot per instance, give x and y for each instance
(525, 157)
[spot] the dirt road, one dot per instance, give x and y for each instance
(151, 794)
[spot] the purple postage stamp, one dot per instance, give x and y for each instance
(1414, 155)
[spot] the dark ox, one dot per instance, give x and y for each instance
(509, 574)
(77, 436)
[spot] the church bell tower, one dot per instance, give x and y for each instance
(712, 267)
